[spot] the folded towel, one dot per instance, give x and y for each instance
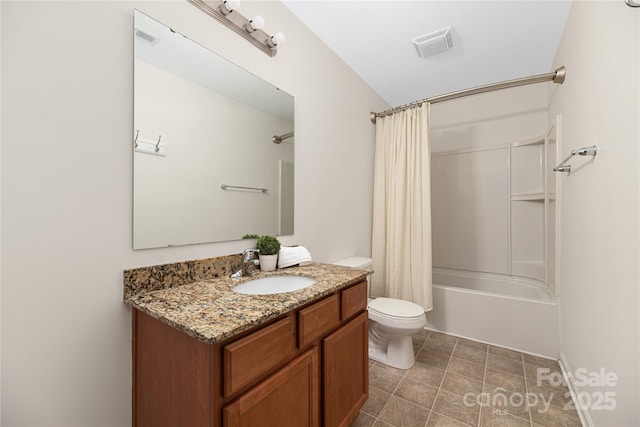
(293, 255)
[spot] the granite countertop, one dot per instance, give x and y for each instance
(210, 311)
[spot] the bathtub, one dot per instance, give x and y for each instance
(503, 310)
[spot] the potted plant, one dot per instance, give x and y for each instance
(269, 247)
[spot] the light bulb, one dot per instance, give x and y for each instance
(229, 5)
(278, 38)
(256, 23)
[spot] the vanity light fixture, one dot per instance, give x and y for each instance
(255, 23)
(227, 13)
(229, 6)
(276, 39)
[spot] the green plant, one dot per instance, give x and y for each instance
(250, 236)
(268, 245)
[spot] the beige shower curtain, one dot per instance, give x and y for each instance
(401, 240)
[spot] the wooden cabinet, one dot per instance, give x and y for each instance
(345, 372)
(307, 368)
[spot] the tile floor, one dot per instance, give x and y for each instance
(458, 382)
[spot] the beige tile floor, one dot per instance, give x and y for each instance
(458, 382)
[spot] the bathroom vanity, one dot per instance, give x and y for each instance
(204, 355)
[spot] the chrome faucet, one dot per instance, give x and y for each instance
(249, 264)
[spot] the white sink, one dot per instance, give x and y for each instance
(274, 285)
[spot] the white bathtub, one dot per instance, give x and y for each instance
(507, 311)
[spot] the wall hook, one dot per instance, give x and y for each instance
(140, 145)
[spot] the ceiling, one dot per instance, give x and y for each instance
(493, 41)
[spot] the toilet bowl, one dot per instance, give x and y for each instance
(392, 322)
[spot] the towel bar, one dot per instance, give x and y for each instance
(585, 151)
(225, 186)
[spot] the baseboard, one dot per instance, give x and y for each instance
(427, 328)
(567, 372)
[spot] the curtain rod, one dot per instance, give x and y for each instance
(557, 77)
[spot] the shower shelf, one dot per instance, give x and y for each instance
(529, 197)
(535, 141)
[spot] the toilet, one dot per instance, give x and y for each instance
(392, 322)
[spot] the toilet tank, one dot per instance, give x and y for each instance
(355, 262)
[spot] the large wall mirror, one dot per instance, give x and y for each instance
(207, 167)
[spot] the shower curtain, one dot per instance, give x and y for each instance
(401, 238)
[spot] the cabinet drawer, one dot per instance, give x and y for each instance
(317, 320)
(248, 358)
(354, 300)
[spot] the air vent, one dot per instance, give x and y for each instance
(146, 36)
(433, 43)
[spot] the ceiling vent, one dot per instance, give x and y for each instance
(146, 36)
(433, 43)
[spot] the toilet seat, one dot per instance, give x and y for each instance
(395, 313)
(395, 309)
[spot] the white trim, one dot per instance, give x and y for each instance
(567, 373)
(493, 344)
(558, 212)
(509, 213)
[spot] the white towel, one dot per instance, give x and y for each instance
(293, 255)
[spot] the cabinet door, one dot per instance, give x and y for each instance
(345, 372)
(290, 397)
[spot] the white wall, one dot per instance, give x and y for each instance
(67, 73)
(599, 221)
